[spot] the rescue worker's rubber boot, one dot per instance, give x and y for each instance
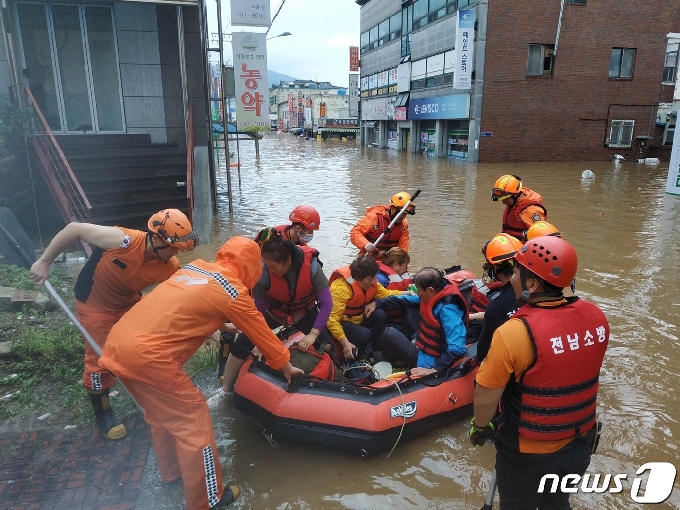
(108, 426)
(229, 495)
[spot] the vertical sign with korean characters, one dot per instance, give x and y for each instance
(291, 110)
(465, 35)
(353, 95)
(353, 59)
(250, 73)
(251, 13)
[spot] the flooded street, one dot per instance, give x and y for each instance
(626, 231)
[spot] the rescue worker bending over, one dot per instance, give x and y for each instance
(364, 234)
(543, 366)
(499, 253)
(440, 340)
(523, 207)
(123, 263)
(148, 346)
(305, 220)
(354, 320)
(292, 291)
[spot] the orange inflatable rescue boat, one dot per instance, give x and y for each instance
(355, 418)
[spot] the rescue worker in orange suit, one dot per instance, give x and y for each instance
(543, 367)
(292, 291)
(440, 340)
(499, 253)
(147, 347)
(364, 234)
(523, 207)
(354, 321)
(122, 264)
(305, 220)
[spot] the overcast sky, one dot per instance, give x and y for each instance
(323, 31)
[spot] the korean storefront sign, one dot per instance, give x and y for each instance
(252, 13)
(308, 112)
(354, 59)
(250, 72)
(378, 109)
(353, 95)
(456, 106)
(465, 35)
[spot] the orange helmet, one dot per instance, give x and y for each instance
(550, 258)
(174, 228)
(401, 199)
(307, 216)
(501, 248)
(506, 187)
(541, 228)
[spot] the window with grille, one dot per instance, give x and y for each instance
(622, 62)
(621, 134)
(541, 59)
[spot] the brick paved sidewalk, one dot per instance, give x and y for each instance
(56, 468)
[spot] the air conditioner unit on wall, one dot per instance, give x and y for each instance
(661, 113)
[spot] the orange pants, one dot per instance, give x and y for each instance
(183, 438)
(97, 323)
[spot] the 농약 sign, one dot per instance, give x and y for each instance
(250, 76)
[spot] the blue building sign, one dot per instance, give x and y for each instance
(456, 106)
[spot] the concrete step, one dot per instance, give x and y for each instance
(97, 140)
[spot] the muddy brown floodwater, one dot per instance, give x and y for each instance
(626, 231)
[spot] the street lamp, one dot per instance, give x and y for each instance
(280, 35)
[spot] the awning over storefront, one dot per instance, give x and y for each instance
(339, 130)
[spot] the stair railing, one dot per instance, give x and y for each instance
(62, 184)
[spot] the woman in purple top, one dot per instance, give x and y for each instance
(292, 291)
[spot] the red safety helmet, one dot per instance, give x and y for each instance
(550, 258)
(174, 228)
(307, 216)
(501, 248)
(506, 187)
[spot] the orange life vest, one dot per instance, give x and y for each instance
(556, 397)
(360, 298)
(431, 337)
(291, 304)
(512, 223)
(391, 238)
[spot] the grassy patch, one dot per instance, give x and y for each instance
(43, 372)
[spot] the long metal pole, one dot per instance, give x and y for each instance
(274, 17)
(225, 124)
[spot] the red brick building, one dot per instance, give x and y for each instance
(583, 85)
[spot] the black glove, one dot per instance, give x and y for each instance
(479, 435)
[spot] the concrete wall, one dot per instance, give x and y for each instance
(5, 80)
(196, 75)
(171, 73)
(140, 69)
(567, 116)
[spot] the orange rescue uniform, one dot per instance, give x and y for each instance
(147, 347)
(367, 230)
(109, 284)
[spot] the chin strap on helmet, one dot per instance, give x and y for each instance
(155, 249)
(557, 293)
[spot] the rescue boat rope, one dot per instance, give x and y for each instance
(403, 415)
